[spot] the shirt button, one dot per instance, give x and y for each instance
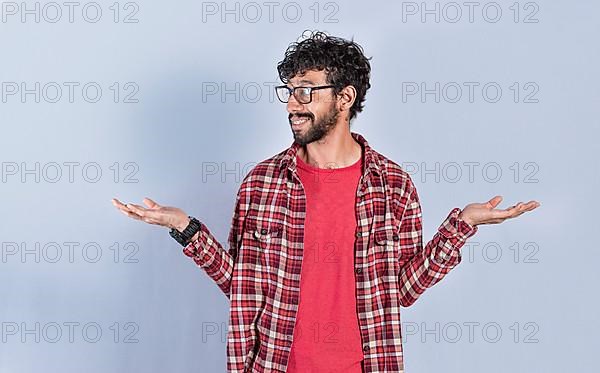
(366, 348)
(396, 238)
(358, 270)
(358, 234)
(263, 231)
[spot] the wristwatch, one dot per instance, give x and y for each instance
(184, 237)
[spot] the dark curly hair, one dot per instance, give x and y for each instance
(343, 61)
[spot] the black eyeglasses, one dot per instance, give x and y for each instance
(303, 94)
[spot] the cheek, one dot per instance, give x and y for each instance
(311, 111)
(319, 109)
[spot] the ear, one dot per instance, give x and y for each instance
(347, 96)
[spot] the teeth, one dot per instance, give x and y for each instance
(299, 121)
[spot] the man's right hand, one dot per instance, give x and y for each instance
(170, 217)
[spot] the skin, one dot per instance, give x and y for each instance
(326, 143)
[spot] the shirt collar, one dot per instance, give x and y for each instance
(371, 162)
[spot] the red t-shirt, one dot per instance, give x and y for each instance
(327, 336)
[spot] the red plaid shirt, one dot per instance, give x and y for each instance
(260, 273)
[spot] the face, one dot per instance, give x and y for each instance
(311, 122)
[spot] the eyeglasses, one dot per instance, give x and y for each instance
(303, 94)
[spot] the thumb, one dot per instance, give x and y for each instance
(495, 201)
(150, 203)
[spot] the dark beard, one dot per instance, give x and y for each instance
(317, 130)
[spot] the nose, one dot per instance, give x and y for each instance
(293, 105)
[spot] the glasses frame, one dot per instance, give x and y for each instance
(292, 92)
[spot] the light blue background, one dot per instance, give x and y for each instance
(171, 133)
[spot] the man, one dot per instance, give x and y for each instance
(326, 236)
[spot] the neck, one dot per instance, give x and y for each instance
(335, 150)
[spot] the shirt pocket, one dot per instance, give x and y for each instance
(390, 247)
(387, 236)
(387, 247)
(260, 239)
(263, 240)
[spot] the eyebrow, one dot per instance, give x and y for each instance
(305, 81)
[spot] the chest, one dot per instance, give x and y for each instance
(275, 229)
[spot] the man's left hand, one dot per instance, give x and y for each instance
(486, 213)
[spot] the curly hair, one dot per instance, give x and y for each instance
(343, 61)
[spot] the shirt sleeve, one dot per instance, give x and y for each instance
(433, 261)
(208, 253)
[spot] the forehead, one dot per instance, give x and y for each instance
(309, 77)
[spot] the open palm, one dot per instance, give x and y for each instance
(170, 217)
(487, 213)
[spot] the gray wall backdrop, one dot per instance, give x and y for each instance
(174, 101)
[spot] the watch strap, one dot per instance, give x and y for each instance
(184, 237)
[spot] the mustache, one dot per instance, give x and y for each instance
(301, 115)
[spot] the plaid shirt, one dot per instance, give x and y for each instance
(260, 273)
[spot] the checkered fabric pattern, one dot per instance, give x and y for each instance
(260, 272)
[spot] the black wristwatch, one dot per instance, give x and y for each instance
(184, 237)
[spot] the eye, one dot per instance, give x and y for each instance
(304, 91)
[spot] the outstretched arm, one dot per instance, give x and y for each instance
(206, 251)
(441, 254)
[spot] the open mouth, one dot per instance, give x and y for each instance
(299, 122)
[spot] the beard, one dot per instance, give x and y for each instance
(316, 130)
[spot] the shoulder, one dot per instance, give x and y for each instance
(265, 173)
(402, 191)
(396, 177)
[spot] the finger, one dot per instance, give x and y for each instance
(121, 206)
(526, 206)
(154, 215)
(530, 206)
(517, 210)
(132, 215)
(521, 206)
(150, 203)
(517, 207)
(136, 208)
(125, 209)
(513, 211)
(495, 201)
(504, 214)
(117, 203)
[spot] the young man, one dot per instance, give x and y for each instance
(326, 237)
